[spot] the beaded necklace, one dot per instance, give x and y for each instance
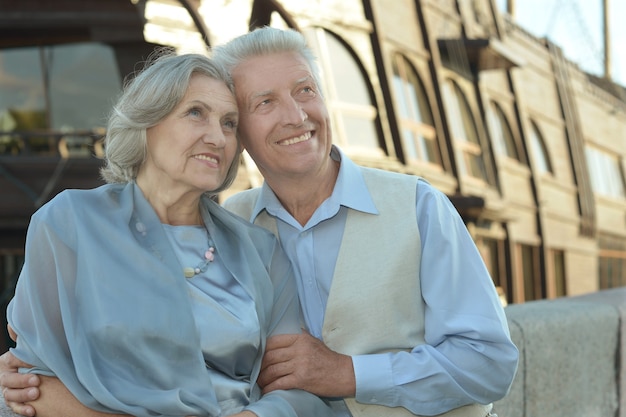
(209, 256)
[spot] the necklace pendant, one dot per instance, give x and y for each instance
(209, 256)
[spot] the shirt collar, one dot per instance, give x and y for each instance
(350, 190)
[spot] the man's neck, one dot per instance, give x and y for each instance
(302, 196)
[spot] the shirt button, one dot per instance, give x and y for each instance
(141, 228)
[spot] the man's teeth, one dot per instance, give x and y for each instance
(298, 139)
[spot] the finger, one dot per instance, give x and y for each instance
(14, 380)
(275, 356)
(287, 382)
(20, 395)
(23, 409)
(280, 341)
(270, 374)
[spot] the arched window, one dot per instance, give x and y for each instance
(504, 142)
(419, 138)
(347, 94)
(539, 151)
(464, 132)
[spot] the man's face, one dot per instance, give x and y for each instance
(283, 120)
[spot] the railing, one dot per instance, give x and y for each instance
(64, 143)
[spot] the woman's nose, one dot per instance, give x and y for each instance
(214, 136)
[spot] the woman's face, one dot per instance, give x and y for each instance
(191, 149)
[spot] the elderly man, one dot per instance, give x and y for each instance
(402, 314)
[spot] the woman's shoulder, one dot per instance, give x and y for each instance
(72, 196)
(75, 202)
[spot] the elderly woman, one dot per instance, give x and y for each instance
(144, 296)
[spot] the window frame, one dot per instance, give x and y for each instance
(416, 122)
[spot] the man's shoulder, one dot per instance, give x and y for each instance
(243, 202)
(243, 197)
(384, 177)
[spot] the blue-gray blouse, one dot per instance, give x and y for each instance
(103, 304)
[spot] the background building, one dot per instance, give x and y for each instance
(529, 148)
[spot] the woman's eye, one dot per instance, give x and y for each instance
(196, 112)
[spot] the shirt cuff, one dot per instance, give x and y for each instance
(374, 381)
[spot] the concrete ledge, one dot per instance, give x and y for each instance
(616, 298)
(513, 404)
(571, 352)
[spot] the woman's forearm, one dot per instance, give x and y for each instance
(56, 400)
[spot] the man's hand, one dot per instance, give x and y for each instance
(18, 388)
(304, 362)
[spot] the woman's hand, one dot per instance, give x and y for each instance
(18, 388)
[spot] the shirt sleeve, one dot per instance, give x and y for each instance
(468, 356)
(285, 319)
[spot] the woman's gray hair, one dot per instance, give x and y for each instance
(145, 101)
(264, 41)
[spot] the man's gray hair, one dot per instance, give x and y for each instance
(264, 41)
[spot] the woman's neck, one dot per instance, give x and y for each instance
(174, 208)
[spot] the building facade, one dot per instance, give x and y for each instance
(529, 148)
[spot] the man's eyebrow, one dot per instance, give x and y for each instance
(260, 94)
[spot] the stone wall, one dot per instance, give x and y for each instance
(572, 357)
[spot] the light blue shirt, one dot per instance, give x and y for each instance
(425, 374)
